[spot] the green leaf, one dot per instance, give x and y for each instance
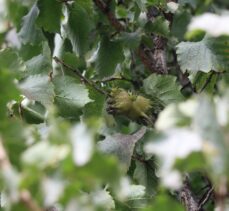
(101, 169)
(180, 24)
(9, 92)
(157, 3)
(29, 33)
(109, 55)
(74, 61)
(93, 109)
(205, 81)
(163, 87)
(82, 140)
(43, 154)
(50, 21)
(205, 55)
(15, 11)
(30, 112)
(164, 202)
(38, 65)
(193, 3)
(121, 146)
(9, 60)
(38, 88)
(88, 5)
(29, 51)
(159, 26)
(78, 28)
(130, 40)
(206, 124)
(141, 4)
(135, 196)
(145, 174)
(70, 96)
(11, 132)
(88, 200)
(193, 162)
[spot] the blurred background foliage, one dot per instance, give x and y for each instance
(59, 147)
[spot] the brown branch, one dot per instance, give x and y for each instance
(190, 201)
(110, 16)
(187, 197)
(78, 73)
(146, 59)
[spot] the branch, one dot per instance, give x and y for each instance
(222, 193)
(78, 73)
(187, 198)
(207, 81)
(110, 16)
(26, 198)
(121, 78)
(146, 60)
(205, 198)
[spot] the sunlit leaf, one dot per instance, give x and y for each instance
(205, 55)
(184, 142)
(38, 65)
(82, 143)
(38, 88)
(70, 96)
(44, 154)
(29, 33)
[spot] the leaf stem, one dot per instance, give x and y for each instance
(78, 73)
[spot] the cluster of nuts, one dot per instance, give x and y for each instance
(135, 107)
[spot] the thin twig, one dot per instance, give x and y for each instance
(221, 193)
(204, 200)
(78, 73)
(121, 78)
(30, 204)
(207, 81)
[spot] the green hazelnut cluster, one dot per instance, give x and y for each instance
(135, 107)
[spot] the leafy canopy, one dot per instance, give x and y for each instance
(114, 105)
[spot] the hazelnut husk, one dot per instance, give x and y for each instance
(138, 108)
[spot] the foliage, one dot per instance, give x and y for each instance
(114, 105)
